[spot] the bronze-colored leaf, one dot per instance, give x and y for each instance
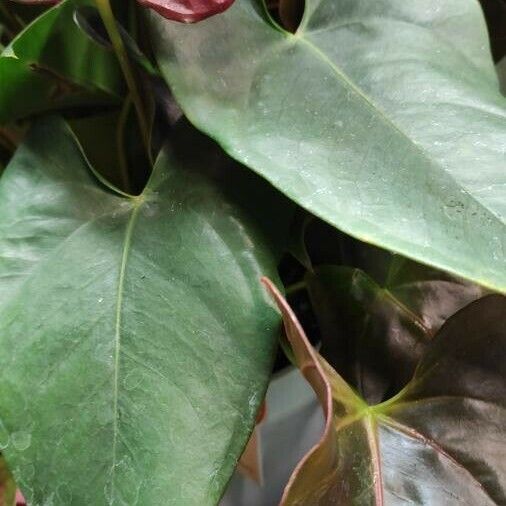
(374, 331)
(440, 441)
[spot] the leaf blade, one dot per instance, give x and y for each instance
(408, 449)
(343, 140)
(124, 303)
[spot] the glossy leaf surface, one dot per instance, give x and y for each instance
(52, 64)
(374, 332)
(440, 441)
(383, 118)
(136, 341)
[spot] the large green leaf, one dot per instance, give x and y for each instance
(53, 64)
(440, 441)
(135, 337)
(382, 117)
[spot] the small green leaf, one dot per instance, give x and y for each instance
(440, 441)
(52, 64)
(382, 117)
(136, 341)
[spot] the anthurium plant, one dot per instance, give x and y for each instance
(195, 194)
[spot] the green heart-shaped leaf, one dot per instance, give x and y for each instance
(135, 338)
(383, 117)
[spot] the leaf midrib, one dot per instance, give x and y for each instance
(378, 112)
(117, 330)
(134, 211)
(371, 428)
(363, 21)
(434, 445)
(369, 418)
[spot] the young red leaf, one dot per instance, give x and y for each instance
(187, 11)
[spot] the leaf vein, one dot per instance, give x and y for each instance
(117, 334)
(381, 114)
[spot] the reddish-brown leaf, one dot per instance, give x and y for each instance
(322, 456)
(408, 448)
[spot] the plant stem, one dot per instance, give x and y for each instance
(120, 141)
(104, 7)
